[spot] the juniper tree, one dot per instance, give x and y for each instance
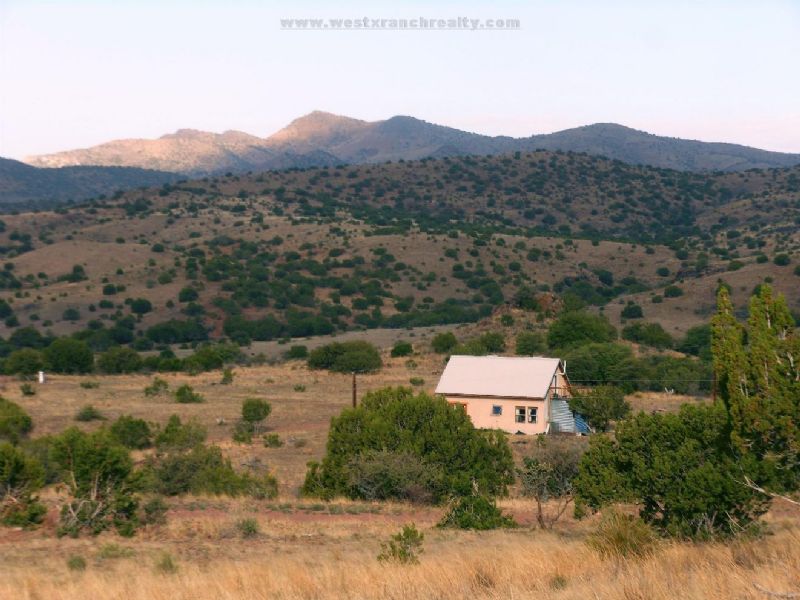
(758, 379)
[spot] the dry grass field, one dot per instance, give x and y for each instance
(313, 550)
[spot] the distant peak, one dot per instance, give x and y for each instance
(316, 123)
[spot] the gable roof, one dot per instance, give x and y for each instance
(505, 376)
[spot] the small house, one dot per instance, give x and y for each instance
(525, 395)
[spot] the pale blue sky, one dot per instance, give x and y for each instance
(77, 73)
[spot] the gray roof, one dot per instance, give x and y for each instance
(504, 376)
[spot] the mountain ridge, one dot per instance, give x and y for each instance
(345, 139)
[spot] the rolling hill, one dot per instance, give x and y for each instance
(293, 253)
(23, 186)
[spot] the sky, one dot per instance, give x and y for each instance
(78, 73)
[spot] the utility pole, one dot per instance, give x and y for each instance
(354, 389)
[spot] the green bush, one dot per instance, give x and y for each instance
(672, 291)
(15, 423)
(601, 405)
(131, 432)
(649, 334)
(20, 477)
(697, 342)
(155, 511)
(177, 436)
(157, 387)
(247, 528)
(530, 343)
(27, 389)
(119, 360)
(89, 413)
(678, 468)
(622, 536)
(185, 394)
(272, 440)
(298, 352)
(442, 343)
(632, 311)
(346, 357)
(25, 362)
(403, 547)
(76, 563)
(475, 512)
(68, 355)
(402, 348)
(601, 363)
(96, 470)
(577, 327)
(203, 470)
(395, 421)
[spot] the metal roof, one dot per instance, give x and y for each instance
(504, 376)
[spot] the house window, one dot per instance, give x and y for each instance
(532, 414)
(519, 414)
(497, 410)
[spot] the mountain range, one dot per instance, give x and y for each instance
(320, 139)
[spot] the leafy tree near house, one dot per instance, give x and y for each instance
(601, 405)
(548, 474)
(577, 327)
(68, 355)
(454, 457)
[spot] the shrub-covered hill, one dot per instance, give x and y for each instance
(297, 253)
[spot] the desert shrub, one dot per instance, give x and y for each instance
(154, 511)
(254, 412)
(477, 512)
(649, 334)
(672, 291)
(185, 394)
(247, 528)
(20, 477)
(90, 385)
(119, 360)
(157, 387)
(76, 563)
(96, 470)
(15, 423)
(227, 377)
(622, 536)
(25, 362)
(403, 547)
(27, 389)
(394, 420)
(577, 327)
(548, 474)
(177, 436)
(68, 355)
(188, 294)
(601, 405)
(442, 343)
(166, 564)
(89, 413)
(402, 348)
(678, 468)
(203, 470)
(416, 381)
(346, 357)
(297, 352)
(212, 356)
(632, 311)
(530, 343)
(132, 432)
(272, 440)
(383, 475)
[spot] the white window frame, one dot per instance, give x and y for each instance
(519, 414)
(533, 415)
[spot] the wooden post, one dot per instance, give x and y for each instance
(354, 389)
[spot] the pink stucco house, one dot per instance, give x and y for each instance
(515, 394)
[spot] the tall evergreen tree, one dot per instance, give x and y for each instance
(758, 377)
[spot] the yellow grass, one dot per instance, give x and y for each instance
(309, 563)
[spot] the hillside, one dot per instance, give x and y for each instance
(320, 139)
(312, 252)
(24, 186)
